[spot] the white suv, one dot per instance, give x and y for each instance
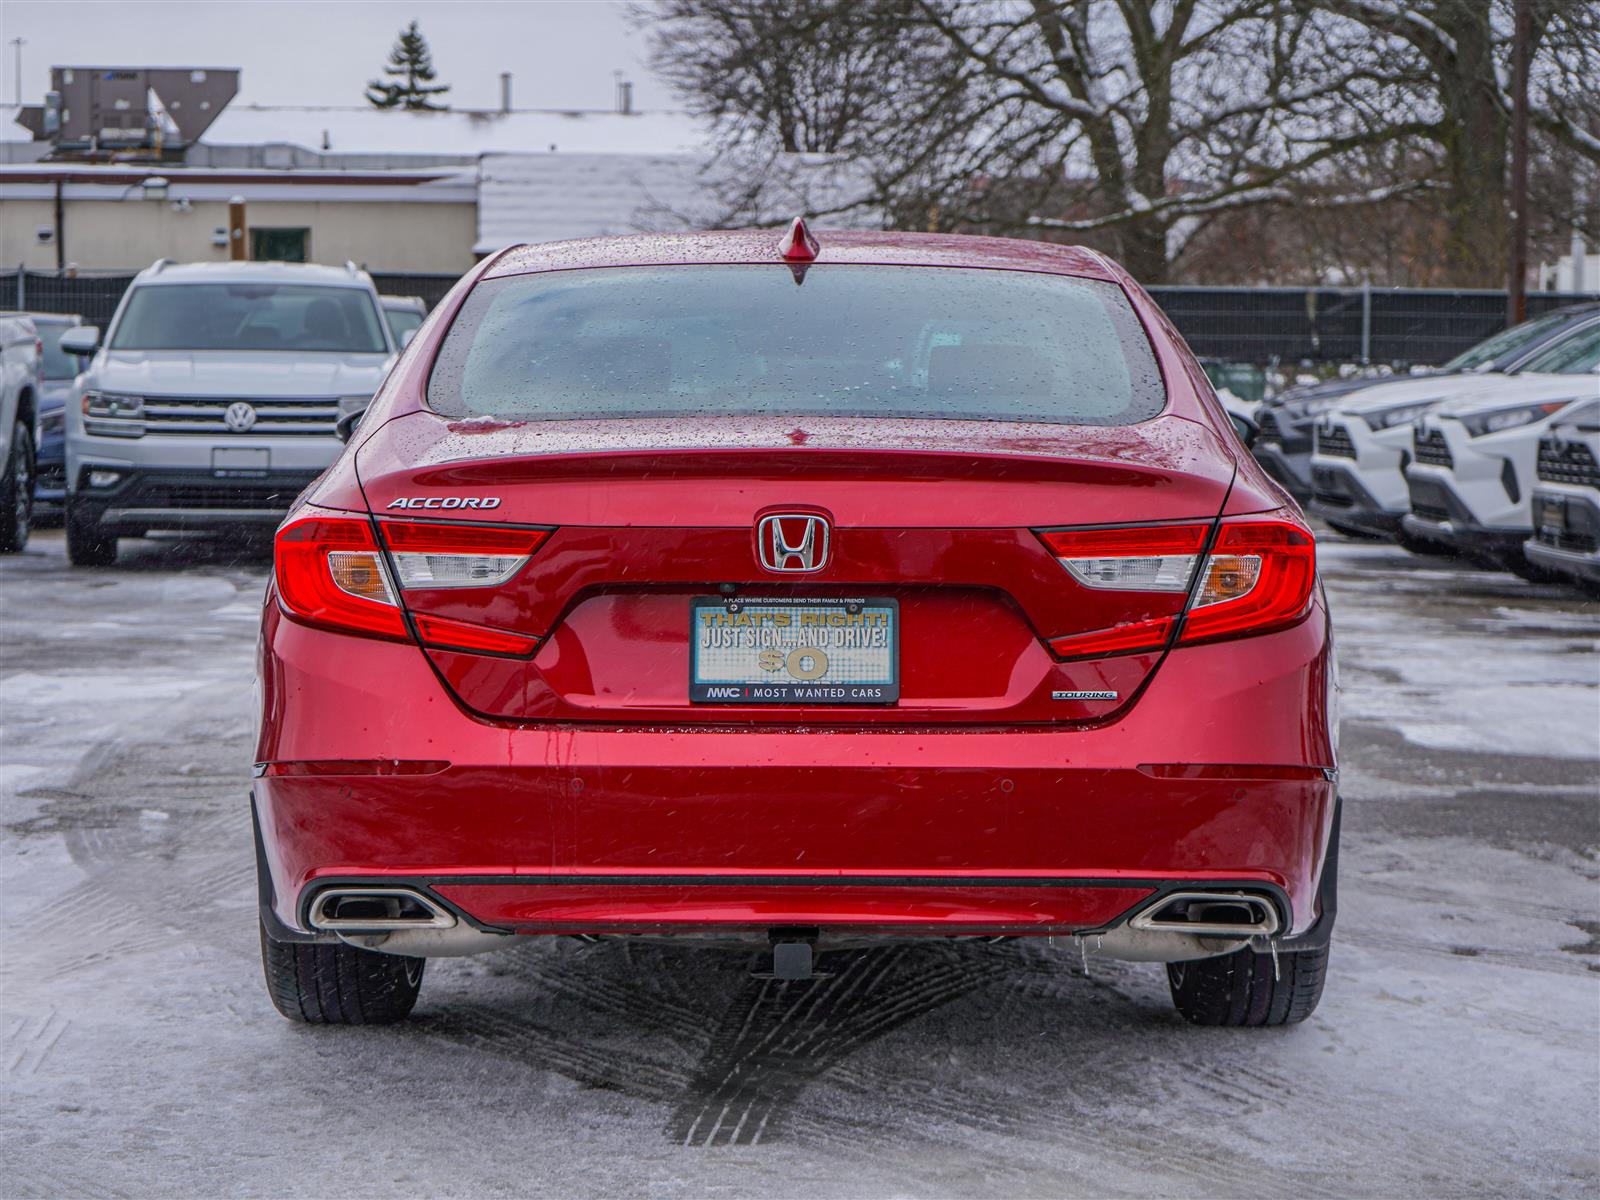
(214, 398)
(1360, 450)
(1473, 462)
(1566, 500)
(1364, 446)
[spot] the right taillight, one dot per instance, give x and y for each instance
(332, 574)
(1257, 577)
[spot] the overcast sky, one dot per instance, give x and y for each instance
(561, 52)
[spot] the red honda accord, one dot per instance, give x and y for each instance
(800, 594)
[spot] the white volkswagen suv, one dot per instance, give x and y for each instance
(214, 398)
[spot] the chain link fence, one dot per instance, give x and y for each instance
(1406, 327)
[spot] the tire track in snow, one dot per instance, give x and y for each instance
(30, 1040)
(778, 1037)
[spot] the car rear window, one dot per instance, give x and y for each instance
(250, 316)
(852, 341)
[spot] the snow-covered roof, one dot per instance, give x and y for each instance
(366, 130)
(118, 181)
(552, 197)
(541, 175)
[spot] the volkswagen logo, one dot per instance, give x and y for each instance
(240, 417)
(792, 542)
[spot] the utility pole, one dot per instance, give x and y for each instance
(238, 231)
(1517, 284)
(19, 43)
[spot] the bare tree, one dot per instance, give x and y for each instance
(801, 73)
(1448, 62)
(1136, 124)
(1124, 116)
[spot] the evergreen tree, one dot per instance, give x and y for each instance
(411, 69)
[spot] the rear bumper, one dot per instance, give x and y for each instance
(958, 905)
(583, 828)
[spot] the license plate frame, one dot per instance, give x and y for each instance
(241, 462)
(1553, 514)
(737, 684)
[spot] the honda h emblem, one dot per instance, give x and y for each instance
(792, 542)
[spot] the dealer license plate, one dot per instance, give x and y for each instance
(1553, 514)
(780, 651)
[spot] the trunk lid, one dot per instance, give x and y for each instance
(938, 517)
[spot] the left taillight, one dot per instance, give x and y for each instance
(440, 554)
(333, 574)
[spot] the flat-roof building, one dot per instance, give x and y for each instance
(393, 190)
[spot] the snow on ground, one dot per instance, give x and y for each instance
(1525, 682)
(1455, 1051)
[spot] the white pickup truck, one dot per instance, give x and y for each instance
(21, 358)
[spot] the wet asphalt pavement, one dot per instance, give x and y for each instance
(1456, 1050)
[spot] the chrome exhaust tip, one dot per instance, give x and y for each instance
(376, 910)
(1219, 914)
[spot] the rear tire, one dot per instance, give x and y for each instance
(87, 544)
(335, 984)
(16, 492)
(1239, 989)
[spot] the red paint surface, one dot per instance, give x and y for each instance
(586, 759)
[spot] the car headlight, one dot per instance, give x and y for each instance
(52, 421)
(353, 404)
(109, 404)
(1510, 418)
(1388, 418)
(113, 414)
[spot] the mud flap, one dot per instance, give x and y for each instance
(1321, 931)
(275, 929)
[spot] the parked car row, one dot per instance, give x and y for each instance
(1492, 457)
(217, 393)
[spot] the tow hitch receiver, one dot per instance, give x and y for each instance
(792, 953)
